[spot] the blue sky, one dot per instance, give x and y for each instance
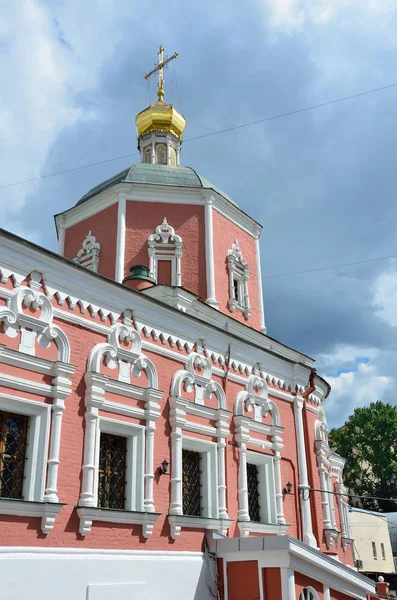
(321, 182)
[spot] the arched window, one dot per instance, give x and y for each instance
(161, 154)
(308, 593)
(165, 252)
(238, 281)
(147, 155)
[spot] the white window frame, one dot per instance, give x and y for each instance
(33, 503)
(139, 508)
(135, 454)
(209, 475)
(266, 485)
(238, 271)
(164, 244)
(252, 431)
(215, 516)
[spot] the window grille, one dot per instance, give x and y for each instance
(253, 493)
(191, 484)
(308, 594)
(13, 442)
(112, 463)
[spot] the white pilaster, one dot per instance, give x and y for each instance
(176, 472)
(51, 492)
(222, 479)
(304, 488)
(61, 236)
(149, 475)
(278, 486)
(325, 499)
(287, 584)
(243, 512)
(87, 485)
(326, 592)
(120, 249)
(260, 289)
(209, 255)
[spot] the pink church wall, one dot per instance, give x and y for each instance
(188, 222)
(23, 531)
(224, 234)
(103, 226)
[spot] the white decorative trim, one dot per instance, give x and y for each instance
(165, 245)
(204, 387)
(128, 358)
(89, 514)
(247, 527)
(47, 511)
(255, 400)
(239, 273)
(61, 235)
(88, 255)
(209, 254)
(32, 328)
(304, 487)
(177, 522)
(120, 247)
(260, 286)
(323, 452)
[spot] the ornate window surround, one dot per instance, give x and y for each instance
(165, 245)
(323, 454)
(251, 431)
(40, 486)
(88, 255)
(337, 464)
(215, 511)
(140, 506)
(239, 273)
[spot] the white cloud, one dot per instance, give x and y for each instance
(293, 16)
(49, 55)
(354, 389)
(385, 297)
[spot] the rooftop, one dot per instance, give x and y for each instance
(157, 175)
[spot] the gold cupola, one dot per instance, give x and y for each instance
(160, 126)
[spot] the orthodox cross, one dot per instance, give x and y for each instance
(159, 68)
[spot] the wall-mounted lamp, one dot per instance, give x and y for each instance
(287, 489)
(163, 468)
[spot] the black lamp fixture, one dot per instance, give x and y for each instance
(163, 468)
(287, 489)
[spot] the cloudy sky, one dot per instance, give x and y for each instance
(322, 182)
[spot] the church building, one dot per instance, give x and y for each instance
(155, 442)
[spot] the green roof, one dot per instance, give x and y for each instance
(157, 175)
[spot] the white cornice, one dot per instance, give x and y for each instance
(285, 366)
(158, 193)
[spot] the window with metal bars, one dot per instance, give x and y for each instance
(191, 483)
(112, 463)
(13, 442)
(253, 493)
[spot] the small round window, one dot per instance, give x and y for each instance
(308, 593)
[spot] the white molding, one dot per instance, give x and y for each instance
(247, 527)
(51, 550)
(304, 487)
(239, 272)
(177, 522)
(88, 255)
(260, 286)
(209, 254)
(90, 514)
(164, 244)
(120, 243)
(47, 511)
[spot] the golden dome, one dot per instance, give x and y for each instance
(160, 117)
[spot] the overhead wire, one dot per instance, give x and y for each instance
(217, 132)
